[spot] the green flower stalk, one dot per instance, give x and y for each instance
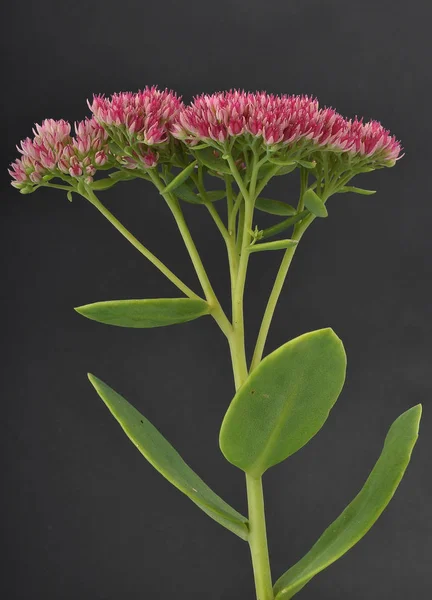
(281, 401)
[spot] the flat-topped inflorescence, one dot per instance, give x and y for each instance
(282, 123)
(53, 152)
(138, 124)
(143, 130)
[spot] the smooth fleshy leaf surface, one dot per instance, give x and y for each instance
(364, 510)
(314, 203)
(154, 312)
(356, 190)
(207, 157)
(275, 207)
(284, 402)
(283, 225)
(180, 178)
(165, 459)
(277, 245)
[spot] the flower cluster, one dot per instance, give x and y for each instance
(40, 155)
(87, 151)
(282, 121)
(53, 152)
(138, 124)
(140, 130)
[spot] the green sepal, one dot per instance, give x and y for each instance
(156, 312)
(207, 158)
(180, 178)
(274, 207)
(69, 195)
(364, 510)
(283, 225)
(165, 459)
(276, 245)
(284, 402)
(356, 190)
(314, 204)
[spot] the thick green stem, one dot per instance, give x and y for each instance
(257, 525)
(140, 247)
(258, 539)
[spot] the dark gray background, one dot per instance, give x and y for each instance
(84, 516)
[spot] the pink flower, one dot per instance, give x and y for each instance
(137, 123)
(40, 154)
(87, 151)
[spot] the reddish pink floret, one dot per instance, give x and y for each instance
(138, 120)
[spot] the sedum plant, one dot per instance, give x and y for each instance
(219, 153)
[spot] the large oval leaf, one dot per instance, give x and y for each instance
(155, 312)
(165, 459)
(314, 203)
(364, 510)
(284, 402)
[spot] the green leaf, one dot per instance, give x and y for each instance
(364, 510)
(283, 163)
(314, 204)
(185, 192)
(356, 190)
(274, 207)
(283, 225)
(180, 178)
(269, 167)
(155, 312)
(215, 195)
(306, 164)
(284, 402)
(208, 158)
(165, 459)
(277, 245)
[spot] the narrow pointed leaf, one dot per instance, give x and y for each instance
(208, 158)
(283, 225)
(364, 510)
(306, 164)
(284, 402)
(275, 207)
(165, 459)
(277, 245)
(283, 163)
(356, 190)
(186, 192)
(269, 168)
(314, 203)
(180, 178)
(155, 312)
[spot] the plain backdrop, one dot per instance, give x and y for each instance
(83, 515)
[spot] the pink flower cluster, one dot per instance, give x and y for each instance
(138, 122)
(281, 121)
(53, 152)
(138, 130)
